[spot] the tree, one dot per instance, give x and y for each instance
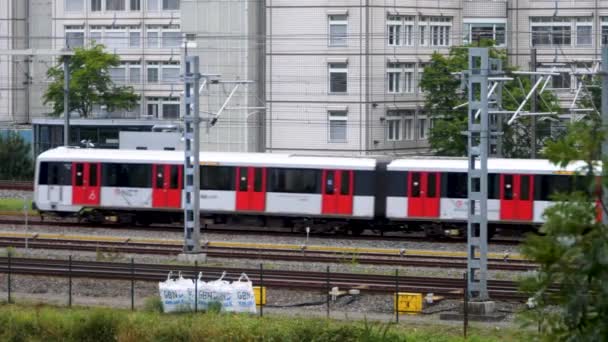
(570, 287)
(15, 158)
(443, 92)
(90, 84)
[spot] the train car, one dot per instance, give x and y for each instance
(432, 192)
(147, 186)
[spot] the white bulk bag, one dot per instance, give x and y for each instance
(242, 295)
(175, 294)
(222, 293)
(204, 294)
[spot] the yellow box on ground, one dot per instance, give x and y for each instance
(256, 294)
(408, 302)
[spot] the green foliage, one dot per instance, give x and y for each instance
(20, 323)
(15, 158)
(570, 285)
(443, 93)
(90, 83)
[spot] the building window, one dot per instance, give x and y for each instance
(172, 5)
(74, 5)
(167, 36)
(95, 5)
(604, 31)
(562, 81)
(338, 28)
(118, 74)
(337, 126)
(423, 128)
(115, 5)
(400, 30)
(394, 125)
(557, 31)
(400, 78)
(134, 73)
(163, 107)
(116, 37)
(338, 75)
(475, 32)
(422, 31)
(135, 38)
(135, 5)
(74, 36)
(171, 108)
(152, 72)
(170, 72)
(408, 127)
(152, 107)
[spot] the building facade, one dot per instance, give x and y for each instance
(314, 76)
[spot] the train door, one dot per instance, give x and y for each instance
(338, 192)
(423, 194)
(167, 186)
(251, 188)
(86, 183)
(516, 197)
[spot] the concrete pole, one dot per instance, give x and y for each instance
(605, 122)
(66, 100)
(533, 106)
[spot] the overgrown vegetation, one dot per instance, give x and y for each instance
(18, 323)
(16, 205)
(16, 161)
(443, 93)
(573, 248)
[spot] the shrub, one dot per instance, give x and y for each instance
(153, 304)
(97, 325)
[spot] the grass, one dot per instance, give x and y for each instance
(38, 323)
(15, 205)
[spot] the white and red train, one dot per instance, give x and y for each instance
(134, 186)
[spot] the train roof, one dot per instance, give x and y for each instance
(206, 158)
(495, 165)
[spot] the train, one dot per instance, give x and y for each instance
(326, 193)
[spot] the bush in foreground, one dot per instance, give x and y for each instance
(19, 323)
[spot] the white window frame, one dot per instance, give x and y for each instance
(130, 2)
(583, 24)
(175, 66)
(124, 6)
(337, 20)
(571, 22)
(169, 101)
(67, 9)
(337, 68)
(99, 9)
(340, 116)
(393, 77)
(440, 31)
(74, 29)
(394, 125)
(469, 24)
(158, 6)
(130, 67)
(152, 65)
(408, 127)
(401, 28)
(124, 69)
(160, 40)
(423, 127)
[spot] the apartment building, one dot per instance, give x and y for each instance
(314, 76)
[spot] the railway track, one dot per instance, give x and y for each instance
(241, 230)
(16, 185)
(316, 256)
(448, 287)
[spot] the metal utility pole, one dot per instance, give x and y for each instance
(605, 121)
(533, 105)
(192, 229)
(480, 68)
(66, 100)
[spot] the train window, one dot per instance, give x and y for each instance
(243, 179)
(329, 182)
(456, 185)
(159, 177)
(431, 185)
(79, 174)
(365, 183)
(524, 187)
(397, 184)
(93, 174)
(507, 187)
(43, 173)
(258, 175)
(127, 175)
(415, 184)
(493, 186)
(294, 181)
(345, 183)
(554, 184)
(217, 178)
(174, 180)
